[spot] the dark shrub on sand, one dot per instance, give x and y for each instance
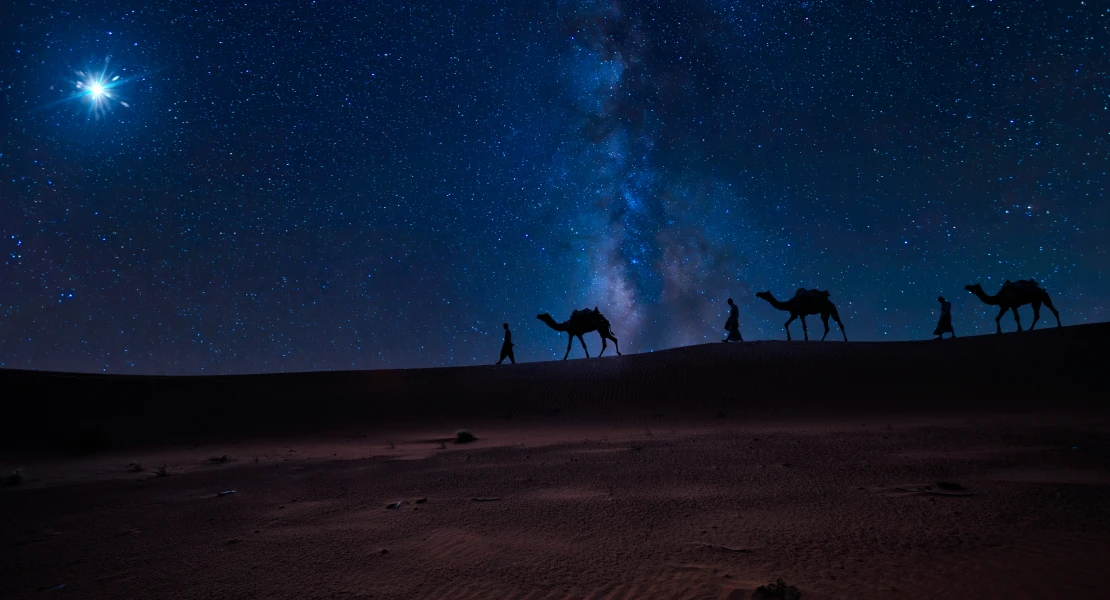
(15, 478)
(776, 591)
(463, 436)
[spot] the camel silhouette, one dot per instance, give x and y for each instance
(1014, 294)
(581, 322)
(807, 302)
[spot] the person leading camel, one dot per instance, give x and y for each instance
(507, 346)
(945, 324)
(732, 325)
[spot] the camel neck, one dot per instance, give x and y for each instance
(556, 325)
(777, 304)
(986, 298)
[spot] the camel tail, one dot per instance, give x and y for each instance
(836, 317)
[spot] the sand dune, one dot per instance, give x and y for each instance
(1005, 372)
(699, 472)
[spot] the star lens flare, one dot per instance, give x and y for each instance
(99, 91)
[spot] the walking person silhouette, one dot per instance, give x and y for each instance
(507, 346)
(732, 325)
(945, 324)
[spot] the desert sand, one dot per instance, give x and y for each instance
(700, 472)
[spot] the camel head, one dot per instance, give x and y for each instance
(974, 288)
(546, 318)
(765, 295)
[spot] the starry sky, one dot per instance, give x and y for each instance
(261, 187)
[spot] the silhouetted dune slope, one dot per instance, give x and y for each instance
(1047, 369)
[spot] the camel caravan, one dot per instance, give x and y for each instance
(806, 302)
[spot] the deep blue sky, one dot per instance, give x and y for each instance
(336, 185)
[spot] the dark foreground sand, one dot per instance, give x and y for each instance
(603, 480)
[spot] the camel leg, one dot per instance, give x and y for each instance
(825, 320)
(1048, 303)
(836, 317)
(805, 332)
(603, 344)
(1036, 315)
(998, 319)
(615, 345)
(570, 340)
(1017, 318)
(584, 348)
(787, 325)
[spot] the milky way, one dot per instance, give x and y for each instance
(338, 186)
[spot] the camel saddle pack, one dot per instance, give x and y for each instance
(586, 312)
(804, 293)
(1021, 284)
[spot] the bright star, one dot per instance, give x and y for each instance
(98, 89)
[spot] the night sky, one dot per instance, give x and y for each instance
(356, 185)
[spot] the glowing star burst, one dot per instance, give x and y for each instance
(99, 90)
